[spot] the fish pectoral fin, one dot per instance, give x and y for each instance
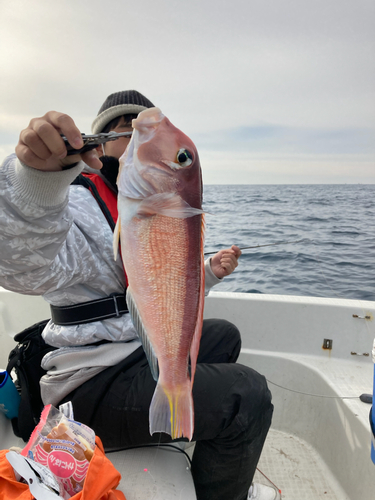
(147, 346)
(116, 237)
(173, 412)
(168, 204)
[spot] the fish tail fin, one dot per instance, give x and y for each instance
(173, 413)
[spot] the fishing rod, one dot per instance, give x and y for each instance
(261, 246)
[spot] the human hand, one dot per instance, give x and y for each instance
(225, 262)
(41, 147)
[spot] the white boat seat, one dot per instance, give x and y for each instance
(157, 472)
(160, 473)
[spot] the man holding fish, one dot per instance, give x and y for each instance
(159, 372)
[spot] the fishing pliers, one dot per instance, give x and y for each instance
(92, 141)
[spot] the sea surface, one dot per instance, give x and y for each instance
(336, 223)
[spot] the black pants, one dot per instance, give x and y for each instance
(232, 407)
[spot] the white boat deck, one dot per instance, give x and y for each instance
(296, 469)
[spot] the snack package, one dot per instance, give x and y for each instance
(64, 446)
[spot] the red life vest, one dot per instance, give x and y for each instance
(106, 193)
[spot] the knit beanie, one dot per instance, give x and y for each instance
(118, 104)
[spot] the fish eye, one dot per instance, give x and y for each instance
(184, 157)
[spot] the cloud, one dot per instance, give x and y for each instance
(275, 139)
(225, 167)
(306, 68)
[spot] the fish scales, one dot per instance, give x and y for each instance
(161, 226)
(162, 268)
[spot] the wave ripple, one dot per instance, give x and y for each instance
(336, 222)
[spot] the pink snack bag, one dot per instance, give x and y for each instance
(64, 446)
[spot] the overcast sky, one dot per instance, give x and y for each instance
(271, 91)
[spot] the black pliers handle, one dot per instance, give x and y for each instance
(92, 141)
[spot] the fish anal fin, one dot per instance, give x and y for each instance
(173, 413)
(138, 324)
(168, 204)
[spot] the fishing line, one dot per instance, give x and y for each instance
(152, 463)
(262, 246)
(268, 479)
(311, 394)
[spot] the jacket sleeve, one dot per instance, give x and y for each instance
(210, 278)
(35, 221)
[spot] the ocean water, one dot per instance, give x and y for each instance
(336, 223)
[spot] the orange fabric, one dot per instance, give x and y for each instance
(100, 483)
(102, 478)
(10, 488)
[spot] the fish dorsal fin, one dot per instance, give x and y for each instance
(168, 204)
(147, 346)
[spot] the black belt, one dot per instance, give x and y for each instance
(95, 310)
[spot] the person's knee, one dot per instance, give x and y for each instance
(232, 331)
(256, 398)
(222, 328)
(249, 400)
(221, 341)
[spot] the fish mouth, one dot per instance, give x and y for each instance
(147, 123)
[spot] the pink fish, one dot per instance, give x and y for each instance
(161, 227)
